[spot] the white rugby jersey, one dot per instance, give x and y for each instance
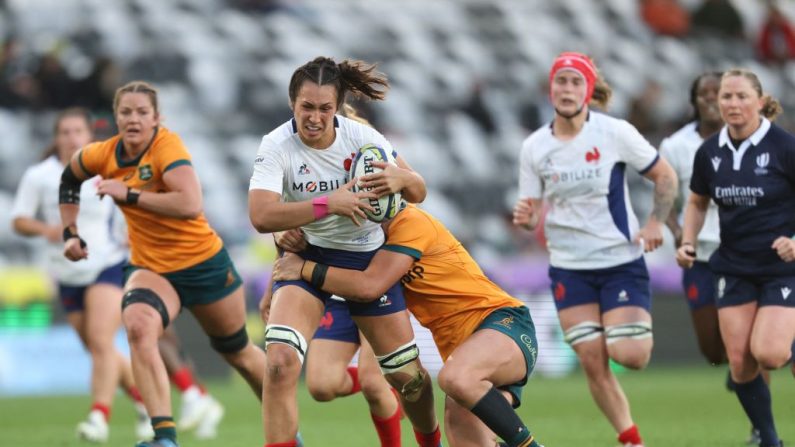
(97, 223)
(590, 223)
(285, 165)
(679, 150)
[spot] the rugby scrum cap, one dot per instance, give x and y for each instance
(579, 63)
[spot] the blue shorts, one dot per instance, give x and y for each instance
(698, 283)
(391, 302)
(766, 291)
(337, 323)
(612, 287)
(73, 297)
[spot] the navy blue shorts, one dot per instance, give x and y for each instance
(612, 287)
(698, 283)
(337, 323)
(391, 302)
(73, 297)
(766, 291)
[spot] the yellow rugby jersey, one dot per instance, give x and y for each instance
(159, 243)
(445, 288)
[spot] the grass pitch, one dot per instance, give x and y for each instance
(672, 406)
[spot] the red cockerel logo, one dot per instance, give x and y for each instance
(592, 156)
(560, 291)
(326, 321)
(348, 161)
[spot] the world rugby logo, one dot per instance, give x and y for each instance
(762, 160)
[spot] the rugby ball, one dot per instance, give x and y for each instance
(385, 207)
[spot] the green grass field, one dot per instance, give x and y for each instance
(673, 407)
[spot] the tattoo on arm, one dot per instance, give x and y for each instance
(664, 196)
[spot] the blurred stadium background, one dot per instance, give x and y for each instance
(468, 85)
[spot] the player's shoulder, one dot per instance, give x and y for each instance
(278, 138)
(607, 123)
(538, 140)
(356, 131)
(782, 138)
(167, 137)
(685, 136)
(44, 168)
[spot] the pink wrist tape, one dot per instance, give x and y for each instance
(320, 207)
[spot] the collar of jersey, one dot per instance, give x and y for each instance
(134, 162)
(755, 138)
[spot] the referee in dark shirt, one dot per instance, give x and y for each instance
(748, 169)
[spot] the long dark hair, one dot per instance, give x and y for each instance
(79, 112)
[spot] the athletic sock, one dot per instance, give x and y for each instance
(292, 443)
(630, 435)
(353, 371)
(388, 429)
(183, 379)
(755, 398)
(502, 419)
(164, 427)
(134, 394)
(433, 439)
(102, 408)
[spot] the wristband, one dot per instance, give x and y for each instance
(68, 234)
(320, 207)
(319, 276)
(132, 196)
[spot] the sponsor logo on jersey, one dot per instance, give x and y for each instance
(317, 186)
(738, 195)
(593, 155)
(145, 172)
(414, 272)
(762, 160)
(303, 169)
(716, 163)
(785, 291)
(721, 287)
(572, 176)
(623, 296)
(384, 301)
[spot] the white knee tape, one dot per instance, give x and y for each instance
(399, 358)
(582, 332)
(638, 330)
(276, 333)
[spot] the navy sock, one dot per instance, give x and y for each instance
(755, 398)
(502, 419)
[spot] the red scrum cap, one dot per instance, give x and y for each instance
(579, 63)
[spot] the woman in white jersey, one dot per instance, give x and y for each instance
(90, 291)
(599, 279)
(679, 150)
(301, 180)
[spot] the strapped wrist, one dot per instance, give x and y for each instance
(132, 196)
(69, 234)
(320, 207)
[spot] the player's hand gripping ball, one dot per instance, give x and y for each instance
(387, 206)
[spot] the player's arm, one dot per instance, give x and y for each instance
(527, 213)
(385, 269)
(695, 212)
(396, 178)
(665, 190)
(183, 199)
(72, 178)
(269, 214)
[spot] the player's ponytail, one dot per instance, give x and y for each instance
(356, 77)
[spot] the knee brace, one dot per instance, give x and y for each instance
(231, 343)
(628, 331)
(404, 360)
(276, 333)
(582, 332)
(147, 296)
